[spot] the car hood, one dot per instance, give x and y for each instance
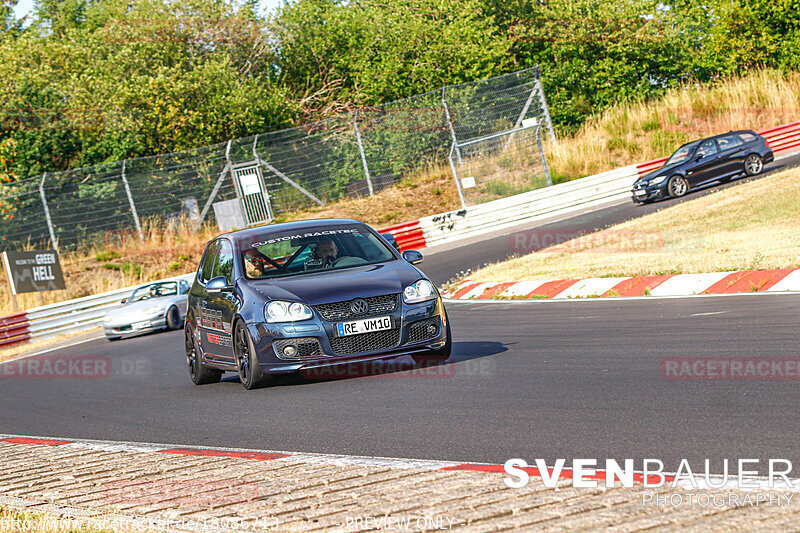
(660, 171)
(136, 308)
(337, 285)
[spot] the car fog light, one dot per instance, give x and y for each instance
(431, 329)
(290, 350)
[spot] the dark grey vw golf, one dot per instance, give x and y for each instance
(305, 295)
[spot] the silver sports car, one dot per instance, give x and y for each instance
(160, 305)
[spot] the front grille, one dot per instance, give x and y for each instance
(418, 331)
(366, 342)
(306, 347)
(341, 310)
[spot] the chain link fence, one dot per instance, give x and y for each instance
(350, 155)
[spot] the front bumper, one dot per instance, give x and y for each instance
(413, 335)
(119, 329)
(649, 193)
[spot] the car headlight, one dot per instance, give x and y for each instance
(657, 180)
(279, 311)
(420, 291)
(152, 310)
(108, 318)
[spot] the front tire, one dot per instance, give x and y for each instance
(173, 318)
(677, 186)
(753, 165)
(250, 373)
(200, 373)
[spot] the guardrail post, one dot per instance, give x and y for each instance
(130, 200)
(363, 155)
(47, 213)
(450, 125)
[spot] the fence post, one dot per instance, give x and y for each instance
(214, 192)
(450, 125)
(47, 213)
(130, 201)
(542, 156)
(545, 109)
(455, 176)
(521, 116)
(363, 155)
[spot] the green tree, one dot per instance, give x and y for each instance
(99, 81)
(333, 55)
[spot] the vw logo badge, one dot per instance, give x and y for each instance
(359, 306)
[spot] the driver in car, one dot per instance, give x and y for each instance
(324, 255)
(257, 264)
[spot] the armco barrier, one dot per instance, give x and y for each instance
(70, 316)
(564, 198)
(14, 329)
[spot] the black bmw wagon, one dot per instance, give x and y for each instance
(718, 158)
(302, 295)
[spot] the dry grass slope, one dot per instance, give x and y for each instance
(642, 131)
(750, 226)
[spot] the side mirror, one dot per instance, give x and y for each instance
(412, 256)
(218, 284)
(698, 157)
(123, 300)
(391, 240)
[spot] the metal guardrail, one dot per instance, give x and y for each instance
(70, 316)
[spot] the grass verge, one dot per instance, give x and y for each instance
(13, 521)
(750, 226)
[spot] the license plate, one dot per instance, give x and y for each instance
(140, 325)
(640, 193)
(367, 325)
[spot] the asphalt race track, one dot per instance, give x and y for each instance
(530, 379)
(527, 379)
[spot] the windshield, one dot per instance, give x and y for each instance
(154, 290)
(315, 250)
(682, 154)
